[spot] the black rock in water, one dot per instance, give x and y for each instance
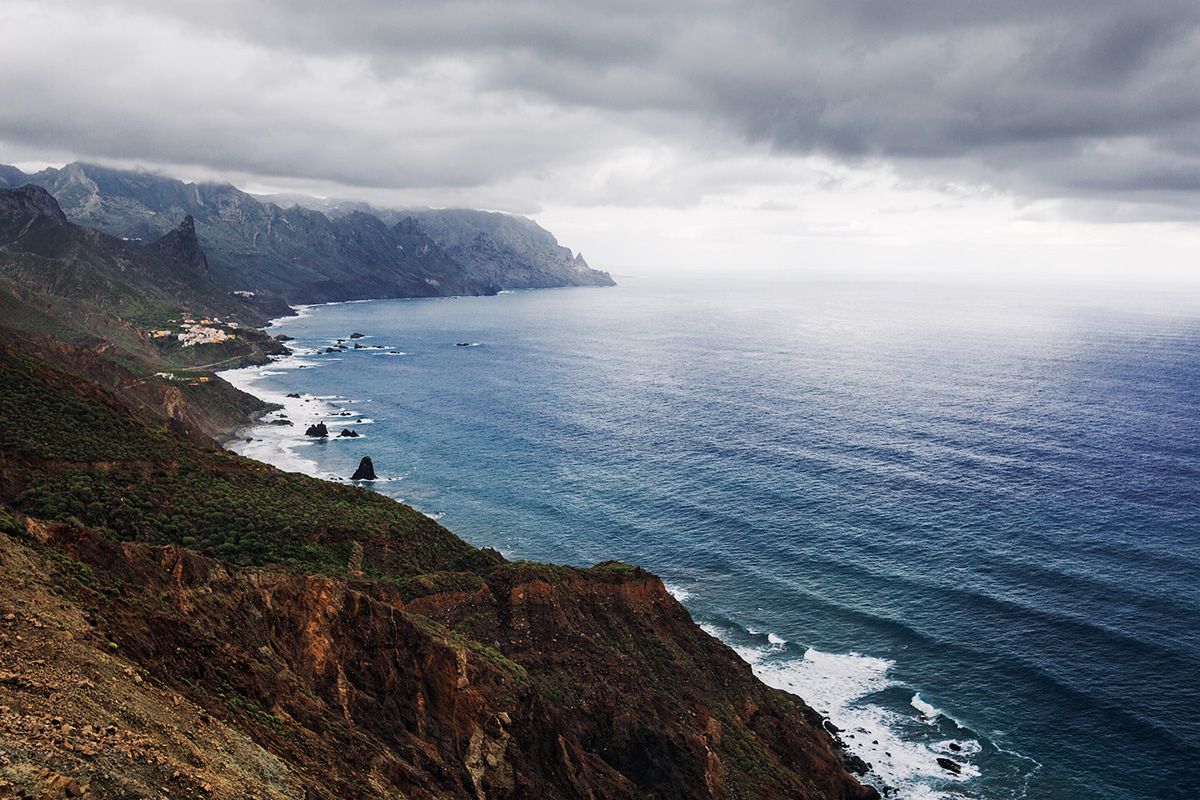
(280, 422)
(358, 346)
(356, 335)
(365, 471)
(294, 394)
(950, 765)
(349, 433)
(317, 430)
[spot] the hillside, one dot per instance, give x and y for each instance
(325, 641)
(102, 307)
(501, 247)
(298, 254)
(507, 250)
(180, 621)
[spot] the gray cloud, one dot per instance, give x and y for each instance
(1090, 99)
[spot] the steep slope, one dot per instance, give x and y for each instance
(325, 641)
(41, 250)
(511, 251)
(296, 253)
(90, 303)
(508, 250)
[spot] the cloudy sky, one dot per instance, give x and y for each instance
(973, 136)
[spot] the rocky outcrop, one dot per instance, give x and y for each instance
(509, 251)
(355, 691)
(348, 434)
(319, 430)
(182, 245)
(23, 207)
(365, 471)
(106, 273)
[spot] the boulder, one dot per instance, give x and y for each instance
(293, 394)
(356, 335)
(950, 765)
(365, 471)
(317, 430)
(280, 422)
(346, 432)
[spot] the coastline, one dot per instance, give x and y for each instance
(267, 437)
(836, 685)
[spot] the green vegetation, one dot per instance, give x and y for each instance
(410, 588)
(46, 415)
(9, 525)
(740, 749)
(617, 568)
(132, 479)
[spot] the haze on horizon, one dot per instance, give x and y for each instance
(1054, 137)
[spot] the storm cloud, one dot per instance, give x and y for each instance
(1095, 101)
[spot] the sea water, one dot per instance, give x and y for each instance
(960, 521)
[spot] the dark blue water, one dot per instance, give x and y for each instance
(965, 515)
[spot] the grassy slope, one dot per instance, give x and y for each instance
(77, 456)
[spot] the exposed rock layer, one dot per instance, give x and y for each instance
(412, 665)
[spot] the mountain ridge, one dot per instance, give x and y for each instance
(300, 254)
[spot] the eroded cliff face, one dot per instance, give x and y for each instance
(330, 642)
(533, 681)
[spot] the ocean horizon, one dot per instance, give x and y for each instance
(958, 520)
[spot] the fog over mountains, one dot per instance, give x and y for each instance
(318, 251)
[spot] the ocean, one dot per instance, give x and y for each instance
(962, 521)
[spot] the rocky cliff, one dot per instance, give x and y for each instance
(298, 253)
(178, 621)
(507, 250)
(184, 620)
(41, 250)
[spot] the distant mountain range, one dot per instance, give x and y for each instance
(314, 251)
(73, 274)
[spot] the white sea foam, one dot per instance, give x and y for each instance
(678, 592)
(929, 712)
(839, 686)
(282, 446)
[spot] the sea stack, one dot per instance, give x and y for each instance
(317, 430)
(365, 471)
